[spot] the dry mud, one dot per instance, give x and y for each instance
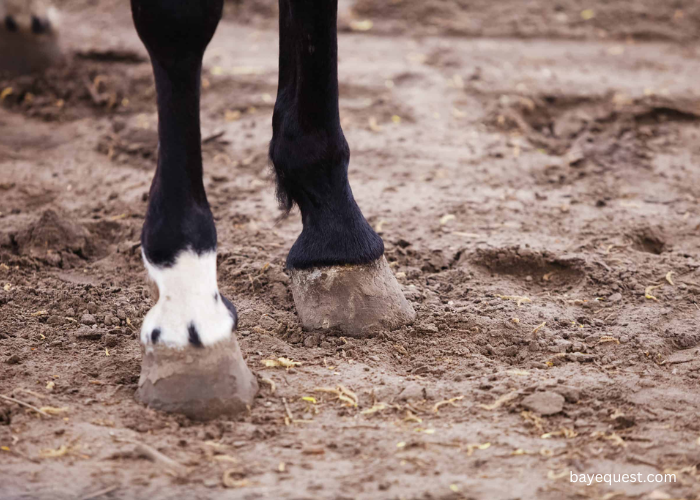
(538, 197)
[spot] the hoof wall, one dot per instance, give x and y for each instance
(201, 383)
(358, 299)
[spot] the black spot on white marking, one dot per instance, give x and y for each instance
(155, 335)
(194, 336)
(39, 27)
(232, 311)
(216, 297)
(11, 24)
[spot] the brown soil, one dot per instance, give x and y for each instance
(676, 20)
(529, 193)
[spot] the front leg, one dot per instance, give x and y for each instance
(192, 363)
(340, 278)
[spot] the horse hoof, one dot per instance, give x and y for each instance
(199, 382)
(355, 299)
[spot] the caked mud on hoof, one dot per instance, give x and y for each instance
(357, 299)
(199, 382)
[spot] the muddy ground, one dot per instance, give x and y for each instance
(538, 197)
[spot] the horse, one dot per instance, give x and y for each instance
(340, 280)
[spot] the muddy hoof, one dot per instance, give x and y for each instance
(358, 300)
(201, 383)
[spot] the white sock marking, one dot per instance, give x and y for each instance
(187, 296)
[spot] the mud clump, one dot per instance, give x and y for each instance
(56, 241)
(544, 403)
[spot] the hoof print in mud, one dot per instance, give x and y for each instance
(201, 383)
(354, 299)
(649, 239)
(516, 263)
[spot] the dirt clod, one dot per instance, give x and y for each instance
(88, 319)
(544, 403)
(13, 360)
(54, 238)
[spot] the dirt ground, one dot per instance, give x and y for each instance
(538, 195)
